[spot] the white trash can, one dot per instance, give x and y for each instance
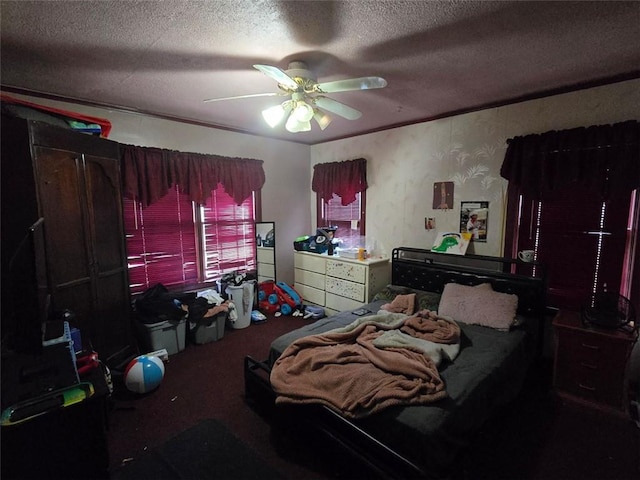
(242, 297)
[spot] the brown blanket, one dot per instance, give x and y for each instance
(345, 371)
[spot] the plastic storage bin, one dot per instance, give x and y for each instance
(166, 334)
(210, 333)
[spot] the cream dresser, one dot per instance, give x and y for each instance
(337, 283)
(266, 263)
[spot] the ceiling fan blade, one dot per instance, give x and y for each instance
(253, 95)
(338, 108)
(362, 83)
(278, 75)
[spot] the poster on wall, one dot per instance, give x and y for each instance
(474, 218)
(451, 242)
(443, 195)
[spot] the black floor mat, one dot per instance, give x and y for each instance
(206, 451)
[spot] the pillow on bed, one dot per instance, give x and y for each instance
(424, 300)
(390, 292)
(427, 300)
(478, 305)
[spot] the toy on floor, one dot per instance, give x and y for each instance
(144, 374)
(258, 317)
(278, 297)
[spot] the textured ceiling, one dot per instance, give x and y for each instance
(439, 58)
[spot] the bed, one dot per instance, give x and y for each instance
(488, 371)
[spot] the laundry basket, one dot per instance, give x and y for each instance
(242, 297)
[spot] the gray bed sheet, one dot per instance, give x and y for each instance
(487, 374)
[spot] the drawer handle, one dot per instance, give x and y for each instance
(590, 347)
(586, 387)
(589, 365)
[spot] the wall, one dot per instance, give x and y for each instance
(286, 165)
(404, 163)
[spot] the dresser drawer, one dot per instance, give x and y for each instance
(583, 347)
(267, 270)
(345, 288)
(603, 387)
(347, 271)
(265, 255)
(310, 294)
(311, 262)
(341, 304)
(309, 278)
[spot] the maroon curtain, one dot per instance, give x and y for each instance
(148, 173)
(602, 158)
(344, 179)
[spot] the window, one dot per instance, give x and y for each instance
(573, 198)
(181, 244)
(333, 213)
(583, 243)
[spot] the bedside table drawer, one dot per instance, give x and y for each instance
(599, 352)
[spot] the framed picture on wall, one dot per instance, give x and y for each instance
(443, 195)
(474, 219)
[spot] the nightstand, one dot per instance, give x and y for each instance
(591, 363)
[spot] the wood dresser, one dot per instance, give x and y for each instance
(591, 363)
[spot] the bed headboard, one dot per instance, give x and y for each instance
(429, 271)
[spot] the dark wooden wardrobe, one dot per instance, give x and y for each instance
(71, 180)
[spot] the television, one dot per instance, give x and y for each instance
(26, 299)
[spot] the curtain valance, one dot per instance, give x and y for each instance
(344, 179)
(604, 158)
(148, 173)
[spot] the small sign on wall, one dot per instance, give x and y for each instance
(474, 219)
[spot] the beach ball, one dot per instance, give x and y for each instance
(144, 373)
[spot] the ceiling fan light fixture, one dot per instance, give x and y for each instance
(322, 118)
(274, 115)
(303, 112)
(294, 125)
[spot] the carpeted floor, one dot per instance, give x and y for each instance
(206, 450)
(539, 437)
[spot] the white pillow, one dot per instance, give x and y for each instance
(478, 306)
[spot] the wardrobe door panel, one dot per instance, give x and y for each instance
(110, 263)
(105, 211)
(61, 198)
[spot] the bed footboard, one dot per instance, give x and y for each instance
(257, 388)
(325, 425)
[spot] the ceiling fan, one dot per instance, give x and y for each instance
(307, 97)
